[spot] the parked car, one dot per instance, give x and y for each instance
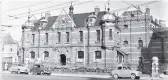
(124, 71)
(39, 69)
(19, 68)
(165, 71)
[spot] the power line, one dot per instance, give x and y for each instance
(29, 5)
(57, 8)
(143, 4)
(44, 8)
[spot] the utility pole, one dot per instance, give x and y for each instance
(88, 43)
(23, 38)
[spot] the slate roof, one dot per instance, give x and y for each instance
(7, 39)
(79, 20)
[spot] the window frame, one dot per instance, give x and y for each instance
(33, 36)
(59, 36)
(67, 37)
(46, 53)
(46, 35)
(98, 34)
(81, 36)
(81, 54)
(98, 55)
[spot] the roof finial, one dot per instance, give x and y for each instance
(29, 14)
(108, 6)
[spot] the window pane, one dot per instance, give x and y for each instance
(110, 33)
(33, 36)
(46, 54)
(98, 54)
(81, 36)
(98, 35)
(59, 36)
(32, 54)
(46, 37)
(80, 54)
(140, 43)
(67, 36)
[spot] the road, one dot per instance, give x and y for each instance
(52, 77)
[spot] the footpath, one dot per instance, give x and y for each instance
(98, 75)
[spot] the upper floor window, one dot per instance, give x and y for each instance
(46, 34)
(98, 55)
(98, 35)
(140, 43)
(81, 36)
(80, 55)
(33, 36)
(110, 33)
(59, 37)
(67, 36)
(32, 54)
(125, 26)
(46, 54)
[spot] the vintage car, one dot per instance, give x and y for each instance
(124, 71)
(39, 69)
(19, 68)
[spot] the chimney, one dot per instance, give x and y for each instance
(97, 10)
(147, 11)
(47, 15)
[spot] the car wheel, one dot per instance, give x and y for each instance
(49, 74)
(115, 76)
(133, 76)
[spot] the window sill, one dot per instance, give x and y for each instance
(45, 43)
(97, 42)
(58, 43)
(80, 60)
(32, 44)
(67, 43)
(110, 38)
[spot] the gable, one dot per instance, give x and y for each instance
(63, 21)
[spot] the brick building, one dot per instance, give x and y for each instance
(98, 38)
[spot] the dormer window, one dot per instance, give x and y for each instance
(140, 43)
(63, 21)
(125, 43)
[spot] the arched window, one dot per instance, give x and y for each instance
(126, 43)
(140, 43)
(32, 54)
(46, 54)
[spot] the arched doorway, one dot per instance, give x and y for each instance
(63, 59)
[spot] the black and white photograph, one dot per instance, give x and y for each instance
(84, 39)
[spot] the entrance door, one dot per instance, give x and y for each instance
(63, 59)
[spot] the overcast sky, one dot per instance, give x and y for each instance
(15, 12)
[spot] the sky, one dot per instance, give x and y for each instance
(15, 12)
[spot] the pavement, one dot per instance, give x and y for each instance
(143, 77)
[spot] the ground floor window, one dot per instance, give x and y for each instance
(46, 54)
(80, 55)
(98, 55)
(120, 57)
(32, 54)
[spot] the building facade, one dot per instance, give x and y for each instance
(95, 39)
(9, 49)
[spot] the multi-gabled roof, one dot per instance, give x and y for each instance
(79, 20)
